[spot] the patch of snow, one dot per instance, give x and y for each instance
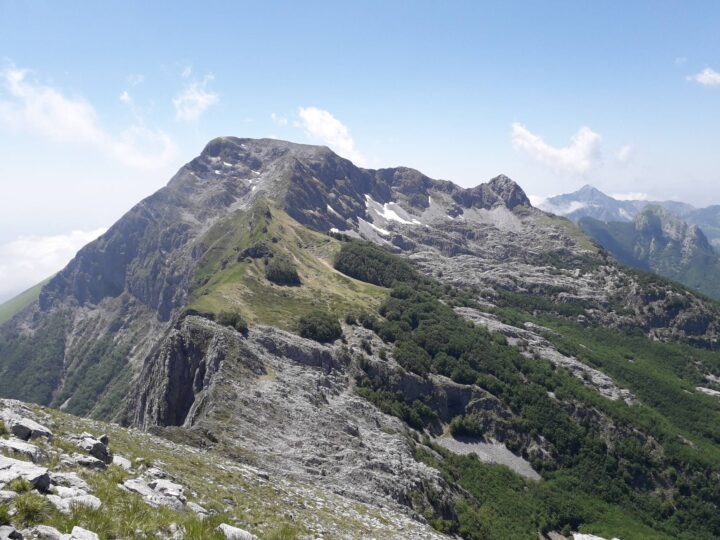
(582, 536)
(624, 213)
(255, 172)
(389, 211)
(331, 209)
(227, 164)
(217, 171)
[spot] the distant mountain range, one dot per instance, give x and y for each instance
(591, 202)
(673, 239)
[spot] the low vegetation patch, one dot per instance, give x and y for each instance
(233, 319)
(320, 326)
(281, 271)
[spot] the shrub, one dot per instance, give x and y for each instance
(31, 508)
(4, 515)
(3, 430)
(281, 271)
(320, 326)
(466, 426)
(234, 320)
(19, 485)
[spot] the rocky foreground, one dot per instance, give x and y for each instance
(63, 477)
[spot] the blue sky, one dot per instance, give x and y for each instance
(100, 103)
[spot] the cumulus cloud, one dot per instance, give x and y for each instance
(707, 77)
(194, 99)
(625, 153)
(42, 110)
(579, 156)
(323, 127)
(28, 260)
(278, 120)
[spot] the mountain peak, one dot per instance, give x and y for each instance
(509, 191)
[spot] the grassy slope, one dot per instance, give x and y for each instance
(226, 283)
(21, 301)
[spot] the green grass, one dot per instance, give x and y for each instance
(21, 301)
(224, 283)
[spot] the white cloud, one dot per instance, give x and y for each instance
(537, 200)
(278, 120)
(561, 210)
(28, 260)
(707, 77)
(323, 127)
(45, 111)
(579, 156)
(194, 99)
(135, 78)
(125, 98)
(680, 60)
(635, 196)
(625, 153)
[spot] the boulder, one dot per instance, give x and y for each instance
(26, 429)
(22, 448)
(88, 462)
(69, 480)
(65, 504)
(9, 532)
(199, 510)
(43, 532)
(95, 448)
(10, 469)
(122, 462)
(78, 533)
(6, 496)
(153, 497)
(235, 533)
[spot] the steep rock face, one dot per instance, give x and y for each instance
(661, 242)
(289, 403)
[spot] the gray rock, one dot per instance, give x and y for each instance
(89, 462)
(65, 504)
(153, 497)
(42, 532)
(95, 448)
(8, 532)
(199, 510)
(78, 533)
(235, 533)
(122, 462)
(69, 480)
(22, 448)
(10, 469)
(7, 496)
(26, 429)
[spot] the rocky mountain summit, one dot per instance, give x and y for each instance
(432, 360)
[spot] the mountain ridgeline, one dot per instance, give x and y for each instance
(455, 356)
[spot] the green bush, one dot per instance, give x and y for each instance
(281, 271)
(467, 426)
(31, 509)
(4, 515)
(234, 320)
(3, 429)
(19, 485)
(372, 264)
(320, 326)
